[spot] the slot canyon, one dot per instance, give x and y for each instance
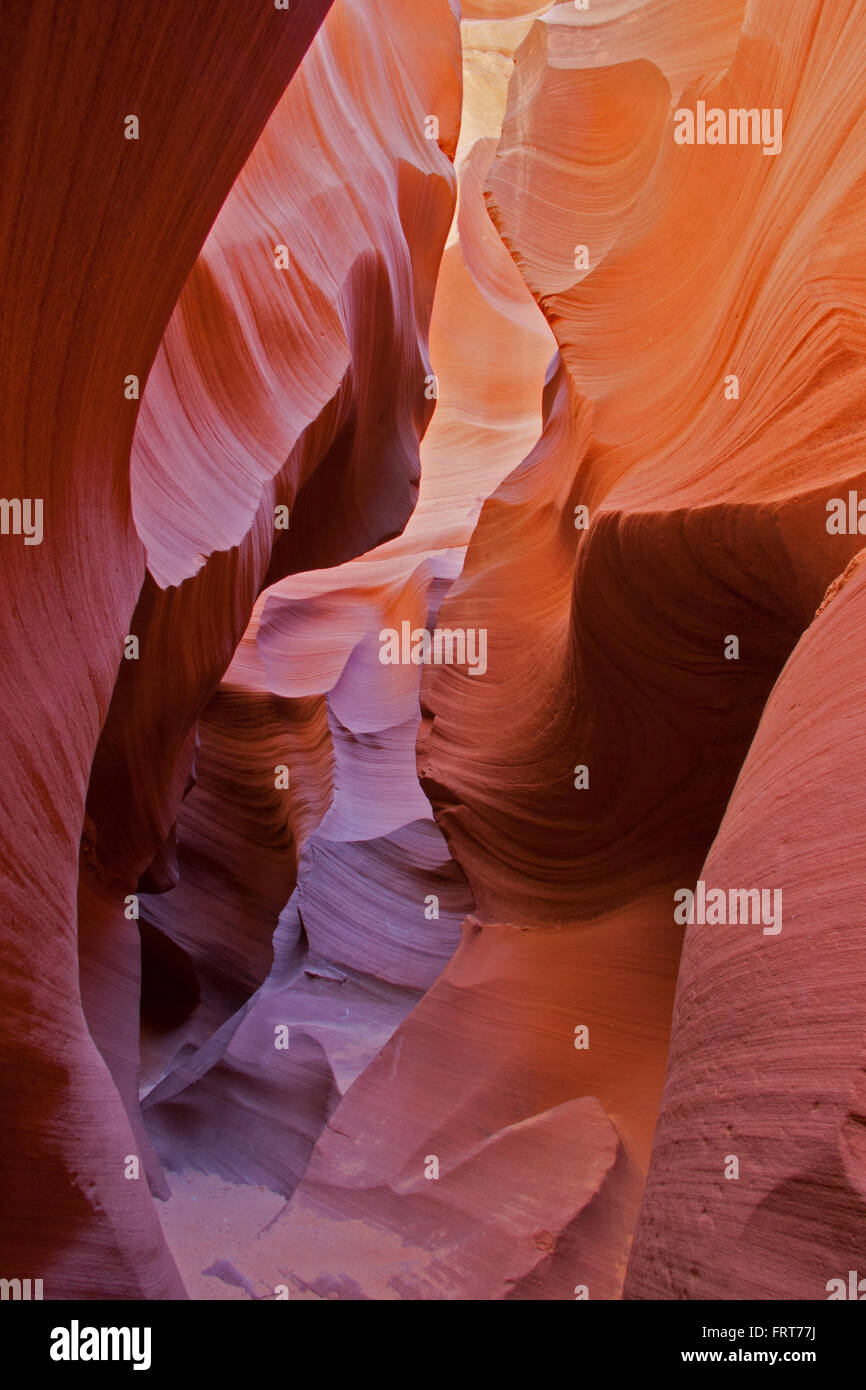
(430, 546)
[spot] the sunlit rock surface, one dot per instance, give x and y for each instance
(437, 327)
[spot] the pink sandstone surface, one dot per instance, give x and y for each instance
(374, 968)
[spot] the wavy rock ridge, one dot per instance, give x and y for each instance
(436, 325)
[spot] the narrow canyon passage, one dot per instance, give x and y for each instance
(449, 814)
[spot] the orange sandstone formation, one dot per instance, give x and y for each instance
(509, 322)
(702, 418)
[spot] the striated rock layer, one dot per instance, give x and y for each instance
(99, 235)
(705, 519)
(367, 967)
(379, 903)
(766, 1065)
(311, 457)
(580, 780)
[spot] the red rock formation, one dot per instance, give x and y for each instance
(407, 955)
(766, 1059)
(340, 449)
(99, 233)
(705, 514)
(368, 872)
(618, 631)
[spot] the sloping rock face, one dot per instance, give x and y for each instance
(527, 971)
(100, 232)
(756, 1187)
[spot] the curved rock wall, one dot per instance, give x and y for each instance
(385, 321)
(100, 234)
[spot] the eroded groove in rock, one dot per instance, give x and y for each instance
(377, 892)
(336, 445)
